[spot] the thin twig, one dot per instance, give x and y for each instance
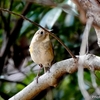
(69, 51)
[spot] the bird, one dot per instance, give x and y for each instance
(41, 50)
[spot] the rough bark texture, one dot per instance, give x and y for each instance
(57, 70)
(90, 8)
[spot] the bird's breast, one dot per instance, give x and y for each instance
(42, 53)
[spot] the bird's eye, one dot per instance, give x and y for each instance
(41, 32)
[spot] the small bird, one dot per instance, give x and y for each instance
(41, 49)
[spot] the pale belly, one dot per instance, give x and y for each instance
(42, 56)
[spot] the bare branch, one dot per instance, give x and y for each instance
(82, 52)
(56, 71)
(90, 8)
(53, 35)
(85, 35)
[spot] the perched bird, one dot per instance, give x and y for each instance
(41, 50)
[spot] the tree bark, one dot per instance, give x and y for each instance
(56, 71)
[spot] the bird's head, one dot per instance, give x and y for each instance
(41, 35)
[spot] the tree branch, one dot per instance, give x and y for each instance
(91, 8)
(56, 71)
(83, 51)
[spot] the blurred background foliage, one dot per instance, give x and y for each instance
(17, 68)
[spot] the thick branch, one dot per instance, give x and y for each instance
(91, 8)
(57, 70)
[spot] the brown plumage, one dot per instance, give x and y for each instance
(41, 50)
